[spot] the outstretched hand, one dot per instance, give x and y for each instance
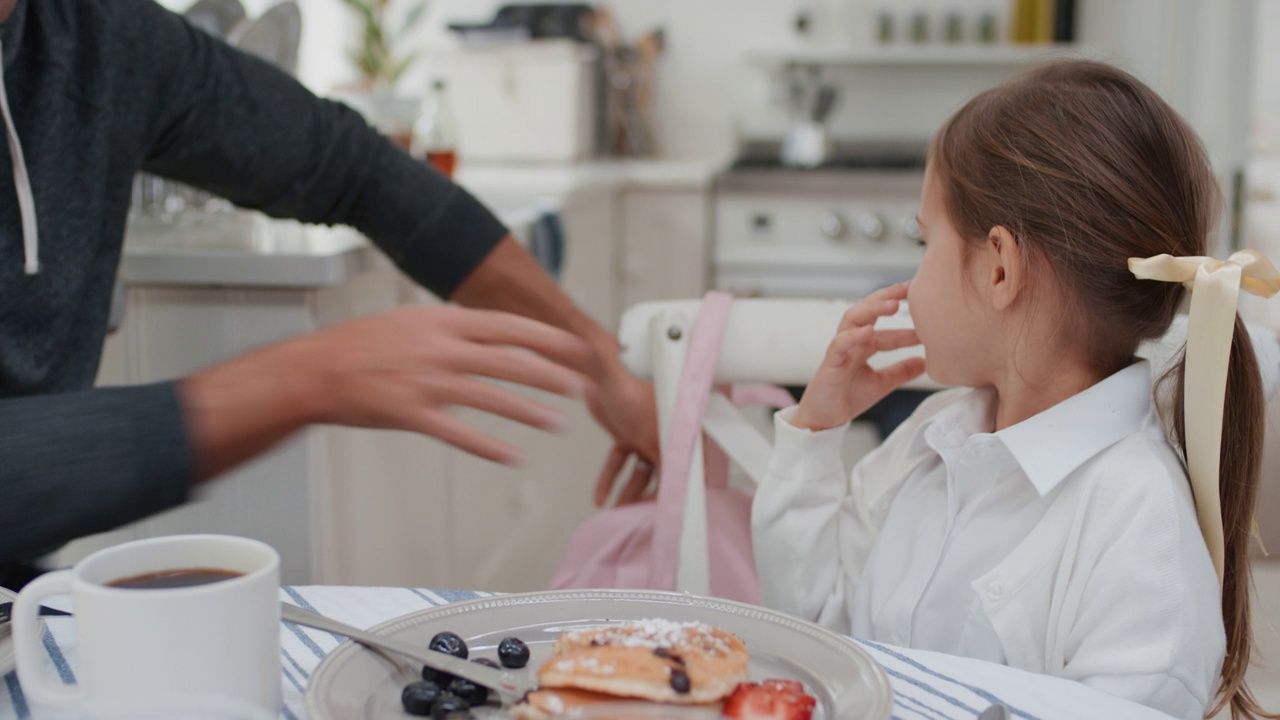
(406, 369)
(845, 386)
(626, 407)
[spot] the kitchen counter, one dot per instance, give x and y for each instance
(240, 248)
(247, 249)
(563, 179)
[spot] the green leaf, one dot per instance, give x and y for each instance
(370, 63)
(401, 66)
(412, 18)
(364, 9)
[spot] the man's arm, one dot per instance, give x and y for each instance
(83, 462)
(78, 463)
(238, 127)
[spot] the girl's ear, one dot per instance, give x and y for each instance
(1008, 274)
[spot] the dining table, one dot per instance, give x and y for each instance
(925, 685)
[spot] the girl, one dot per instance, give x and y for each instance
(1039, 517)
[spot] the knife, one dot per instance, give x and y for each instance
(6, 612)
(506, 683)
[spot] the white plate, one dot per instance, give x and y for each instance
(6, 637)
(353, 682)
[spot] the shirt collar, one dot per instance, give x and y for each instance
(1051, 445)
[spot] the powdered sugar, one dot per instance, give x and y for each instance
(655, 633)
(589, 664)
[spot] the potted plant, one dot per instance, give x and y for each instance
(380, 61)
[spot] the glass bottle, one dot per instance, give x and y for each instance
(435, 138)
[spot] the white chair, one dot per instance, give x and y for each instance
(782, 342)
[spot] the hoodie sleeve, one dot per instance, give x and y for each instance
(78, 463)
(236, 126)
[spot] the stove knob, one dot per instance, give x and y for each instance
(872, 226)
(911, 229)
(832, 225)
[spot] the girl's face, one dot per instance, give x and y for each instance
(947, 301)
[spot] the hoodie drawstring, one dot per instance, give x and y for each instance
(22, 182)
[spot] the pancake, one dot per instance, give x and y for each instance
(658, 660)
(556, 702)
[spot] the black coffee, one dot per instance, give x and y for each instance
(181, 577)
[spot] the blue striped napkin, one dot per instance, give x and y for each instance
(926, 685)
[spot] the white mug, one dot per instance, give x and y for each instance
(216, 644)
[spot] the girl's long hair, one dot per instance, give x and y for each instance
(1088, 167)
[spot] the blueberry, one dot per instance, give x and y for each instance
(513, 653)
(474, 694)
(450, 707)
(449, 644)
(680, 681)
(419, 698)
(486, 662)
(436, 677)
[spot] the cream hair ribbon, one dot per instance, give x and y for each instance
(1215, 289)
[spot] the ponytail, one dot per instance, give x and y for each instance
(1240, 466)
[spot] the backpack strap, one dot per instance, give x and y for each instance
(680, 525)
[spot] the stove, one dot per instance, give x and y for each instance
(842, 230)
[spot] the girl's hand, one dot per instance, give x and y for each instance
(845, 386)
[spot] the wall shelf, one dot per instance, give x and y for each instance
(903, 55)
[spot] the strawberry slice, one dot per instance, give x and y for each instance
(783, 686)
(770, 700)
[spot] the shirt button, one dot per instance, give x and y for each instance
(995, 590)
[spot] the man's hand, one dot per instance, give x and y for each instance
(401, 370)
(845, 386)
(626, 407)
(509, 279)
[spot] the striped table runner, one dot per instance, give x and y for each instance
(926, 685)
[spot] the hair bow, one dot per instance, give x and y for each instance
(1215, 291)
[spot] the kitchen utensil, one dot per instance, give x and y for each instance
(6, 639)
(352, 684)
(274, 36)
(514, 23)
(6, 612)
(823, 104)
(216, 17)
(806, 144)
(161, 649)
(514, 686)
(648, 49)
(995, 712)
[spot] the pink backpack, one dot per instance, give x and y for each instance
(638, 546)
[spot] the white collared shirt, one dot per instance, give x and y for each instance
(1066, 544)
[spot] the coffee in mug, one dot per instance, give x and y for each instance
(182, 577)
(187, 621)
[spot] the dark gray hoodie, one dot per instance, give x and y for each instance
(97, 90)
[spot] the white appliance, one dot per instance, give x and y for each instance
(842, 230)
(532, 102)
